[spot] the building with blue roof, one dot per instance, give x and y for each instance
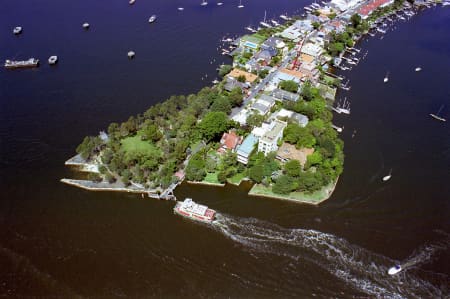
(244, 150)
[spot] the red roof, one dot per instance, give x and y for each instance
(371, 6)
(230, 140)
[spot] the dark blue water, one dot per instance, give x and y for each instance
(60, 241)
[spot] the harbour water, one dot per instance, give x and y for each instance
(57, 240)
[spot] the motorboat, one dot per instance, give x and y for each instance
(152, 19)
(204, 3)
(386, 78)
(394, 270)
(180, 8)
(240, 4)
(387, 177)
(17, 30)
(131, 54)
(52, 59)
(86, 26)
(418, 69)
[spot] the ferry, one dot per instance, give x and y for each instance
(152, 19)
(11, 64)
(189, 209)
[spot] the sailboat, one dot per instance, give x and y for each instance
(240, 4)
(204, 3)
(263, 23)
(436, 116)
(386, 78)
(388, 177)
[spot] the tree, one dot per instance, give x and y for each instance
(89, 147)
(307, 93)
(213, 125)
(316, 25)
(195, 171)
(293, 168)
(256, 173)
(263, 73)
(225, 69)
(151, 132)
(255, 119)
(314, 159)
(289, 85)
(210, 165)
(235, 97)
(242, 78)
(221, 104)
(284, 185)
(355, 20)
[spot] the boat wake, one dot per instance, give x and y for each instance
(366, 271)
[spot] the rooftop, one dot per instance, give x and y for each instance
(247, 146)
(271, 135)
(249, 77)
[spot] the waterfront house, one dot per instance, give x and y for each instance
(303, 26)
(272, 44)
(327, 92)
(309, 70)
(291, 33)
(264, 56)
(231, 83)
(288, 152)
(284, 114)
(279, 76)
(229, 141)
(251, 43)
(365, 10)
(343, 5)
(244, 150)
(283, 95)
(269, 141)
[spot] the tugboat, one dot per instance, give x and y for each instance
(189, 209)
(11, 64)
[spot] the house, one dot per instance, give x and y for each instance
(263, 104)
(260, 131)
(265, 56)
(283, 114)
(279, 76)
(291, 33)
(288, 152)
(249, 77)
(269, 141)
(327, 92)
(303, 25)
(312, 50)
(232, 83)
(342, 5)
(283, 95)
(244, 150)
(309, 69)
(272, 44)
(229, 141)
(251, 42)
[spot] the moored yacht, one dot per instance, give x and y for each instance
(189, 209)
(12, 64)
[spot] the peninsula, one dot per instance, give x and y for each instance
(268, 121)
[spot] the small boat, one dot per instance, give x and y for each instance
(215, 81)
(394, 270)
(386, 78)
(189, 209)
(86, 26)
(436, 116)
(240, 4)
(152, 19)
(250, 29)
(285, 17)
(131, 54)
(387, 177)
(263, 23)
(52, 59)
(418, 69)
(180, 8)
(204, 3)
(17, 30)
(11, 64)
(132, 2)
(275, 23)
(219, 3)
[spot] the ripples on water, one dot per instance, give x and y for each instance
(364, 270)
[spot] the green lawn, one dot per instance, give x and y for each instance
(236, 179)
(313, 198)
(211, 178)
(135, 144)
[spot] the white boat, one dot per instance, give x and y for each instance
(250, 29)
(152, 19)
(215, 81)
(275, 23)
(394, 270)
(132, 2)
(386, 78)
(285, 17)
(240, 4)
(86, 25)
(263, 23)
(418, 69)
(52, 59)
(219, 3)
(204, 3)
(189, 209)
(131, 54)
(17, 30)
(387, 177)
(16, 64)
(436, 116)
(180, 8)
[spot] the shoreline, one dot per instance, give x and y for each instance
(85, 166)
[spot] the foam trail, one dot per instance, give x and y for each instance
(361, 268)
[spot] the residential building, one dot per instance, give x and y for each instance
(244, 150)
(312, 50)
(283, 95)
(231, 83)
(291, 33)
(303, 25)
(269, 141)
(229, 141)
(283, 114)
(249, 77)
(263, 104)
(365, 10)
